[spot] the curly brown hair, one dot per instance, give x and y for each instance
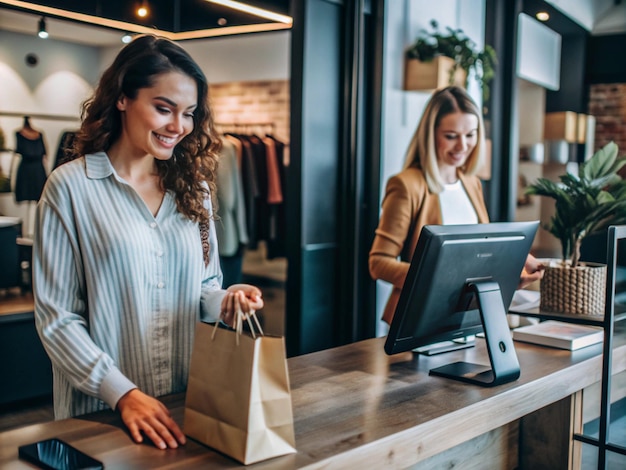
(190, 173)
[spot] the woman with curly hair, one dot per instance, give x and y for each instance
(125, 252)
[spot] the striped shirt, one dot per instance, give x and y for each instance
(118, 291)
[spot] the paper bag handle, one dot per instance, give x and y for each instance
(239, 318)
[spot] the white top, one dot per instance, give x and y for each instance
(118, 291)
(456, 207)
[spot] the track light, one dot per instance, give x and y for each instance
(253, 10)
(42, 33)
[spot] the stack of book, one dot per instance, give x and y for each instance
(560, 335)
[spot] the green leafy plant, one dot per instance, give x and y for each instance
(587, 202)
(455, 44)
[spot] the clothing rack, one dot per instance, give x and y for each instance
(245, 126)
(48, 117)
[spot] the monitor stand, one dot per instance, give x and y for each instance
(447, 346)
(504, 364)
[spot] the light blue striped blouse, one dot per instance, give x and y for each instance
(117, 291)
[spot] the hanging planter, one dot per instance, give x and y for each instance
(463, 52)
(433, 74)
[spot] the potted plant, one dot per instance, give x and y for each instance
(584, 204)
(463, 52)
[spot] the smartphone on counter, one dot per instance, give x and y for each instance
(55, 454)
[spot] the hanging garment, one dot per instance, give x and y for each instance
(31, 175)
(262, 216)
(263, 180)
(277, 239)
(65, 144)
(251, 190)
(230, 229)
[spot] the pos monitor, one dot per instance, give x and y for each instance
(460, 283)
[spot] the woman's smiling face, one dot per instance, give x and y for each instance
(159, 117)
(455, 139)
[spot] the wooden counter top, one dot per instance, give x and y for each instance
(356, 407)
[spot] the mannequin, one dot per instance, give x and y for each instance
(31, 172)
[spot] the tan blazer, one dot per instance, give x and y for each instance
(406, 208)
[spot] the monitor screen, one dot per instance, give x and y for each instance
(439, 299)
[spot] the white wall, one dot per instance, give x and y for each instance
(61, 81)
(531, 112)
(597, 16)
(248, 57)
(258, 56)
(402, 109)
(582, 11)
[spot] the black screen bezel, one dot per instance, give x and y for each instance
(427, 324)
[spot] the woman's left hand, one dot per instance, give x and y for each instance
(243, 296)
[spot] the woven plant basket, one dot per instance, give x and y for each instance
(578, 291)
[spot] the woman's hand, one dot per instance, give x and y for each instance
(143, 414)
(533, 271)
(243, 296)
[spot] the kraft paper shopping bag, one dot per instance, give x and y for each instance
(238, 399)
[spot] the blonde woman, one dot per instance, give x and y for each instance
(437, 186)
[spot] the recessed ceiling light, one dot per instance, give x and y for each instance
(127, 38)
(143, 10)
(222, 21)
(542, 16)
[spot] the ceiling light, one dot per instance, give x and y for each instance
(254, 10)
(127, 38)
(542, 16)
(137, 28)
(42, 33)
(143, 10)
(222, 21)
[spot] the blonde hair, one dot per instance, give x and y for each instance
(422, 151)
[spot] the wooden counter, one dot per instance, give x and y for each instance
(356, 407)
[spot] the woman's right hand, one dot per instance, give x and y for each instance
(532, 271)
(240, 297)
(143, 414)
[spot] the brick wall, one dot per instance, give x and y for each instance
(236, 103)
(607, 102)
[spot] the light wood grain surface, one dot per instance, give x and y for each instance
(356, 407)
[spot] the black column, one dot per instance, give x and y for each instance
(328, 210)
(501, 33)
(360, 167)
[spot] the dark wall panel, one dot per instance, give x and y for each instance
(605, 59)
(335, 142)
(318, 301)
(313, 175)
(25, 370)
(321, 122)
(571, 95)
